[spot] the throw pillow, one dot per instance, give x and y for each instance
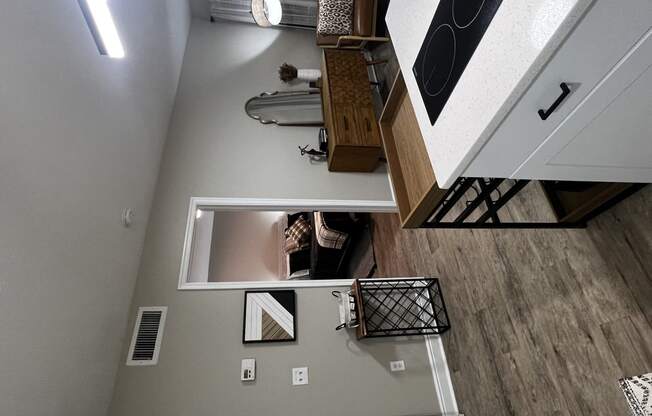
(335, 17)
(293, 246)
(299, 230)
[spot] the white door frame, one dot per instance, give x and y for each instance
(262, 204)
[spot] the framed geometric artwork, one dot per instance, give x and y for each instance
(269, 316)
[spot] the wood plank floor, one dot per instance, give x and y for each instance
(544, 322)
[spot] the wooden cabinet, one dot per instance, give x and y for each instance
(353, 138)
(602, 130)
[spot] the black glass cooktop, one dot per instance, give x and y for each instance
(453, 36)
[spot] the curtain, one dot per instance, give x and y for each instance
(296, 13)
(299, 13)
(233, 10)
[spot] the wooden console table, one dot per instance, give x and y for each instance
(354, 143)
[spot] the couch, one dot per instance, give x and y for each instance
(323, 262)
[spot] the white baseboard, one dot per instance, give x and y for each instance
(441, 376)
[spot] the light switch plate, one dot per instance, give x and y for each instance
(248, 369)
(299, 376)
(397, 365)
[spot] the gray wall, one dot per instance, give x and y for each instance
(200, 9)
(81, 137)
(199, 365)
(246, 246)
(215, 150)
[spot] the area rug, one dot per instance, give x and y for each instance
(637, 391)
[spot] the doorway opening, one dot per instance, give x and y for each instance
(263, 243)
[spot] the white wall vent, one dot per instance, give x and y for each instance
(146, 339)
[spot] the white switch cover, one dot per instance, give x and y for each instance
(299, 376)
(397, 365)
(248, 370)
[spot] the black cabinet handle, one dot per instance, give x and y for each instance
(565, 90)
(346, 123)
(368, 124)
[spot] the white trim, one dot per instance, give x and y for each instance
(441, 376)
(159, 335)
(247, 204)
(268, 284)
(200, 251)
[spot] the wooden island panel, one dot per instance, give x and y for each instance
(413, 178)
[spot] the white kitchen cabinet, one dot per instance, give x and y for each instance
(608, 136)
(602, 130)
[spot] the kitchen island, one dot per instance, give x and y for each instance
(521, 38)
(540, 96)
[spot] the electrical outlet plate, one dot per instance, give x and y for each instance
(248, 369)
(299, 376)
(397, 365)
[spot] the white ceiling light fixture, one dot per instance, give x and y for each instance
(267, 12)
(100, 22)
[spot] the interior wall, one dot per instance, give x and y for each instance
(81, 137)
(200, 9)
(245, 246)
(199, 366)
(215, 150)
